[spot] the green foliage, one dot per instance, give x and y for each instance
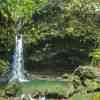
(55, 32)
(3, 66)
(95, 56)
(66, 32)
(18, 9)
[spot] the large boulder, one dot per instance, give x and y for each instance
(86, 72)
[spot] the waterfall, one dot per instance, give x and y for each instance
(18, 61)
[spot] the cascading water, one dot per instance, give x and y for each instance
(17, 66)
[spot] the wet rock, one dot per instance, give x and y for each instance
(87, 72)
(10, 93)
(3, 80)
(12, 89)
(65, 76)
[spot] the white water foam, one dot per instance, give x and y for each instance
(18, 63)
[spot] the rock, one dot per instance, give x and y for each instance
(65, 76)
(91, 85)
(54, 96)
(12, 89)
(76, 82)
(3, 80)
(87, 72)
(10, 93)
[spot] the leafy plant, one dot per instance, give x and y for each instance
(20, 8)
(3, 66)
(95, 56)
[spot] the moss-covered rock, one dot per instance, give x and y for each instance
(12, 89)
(65, 76)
